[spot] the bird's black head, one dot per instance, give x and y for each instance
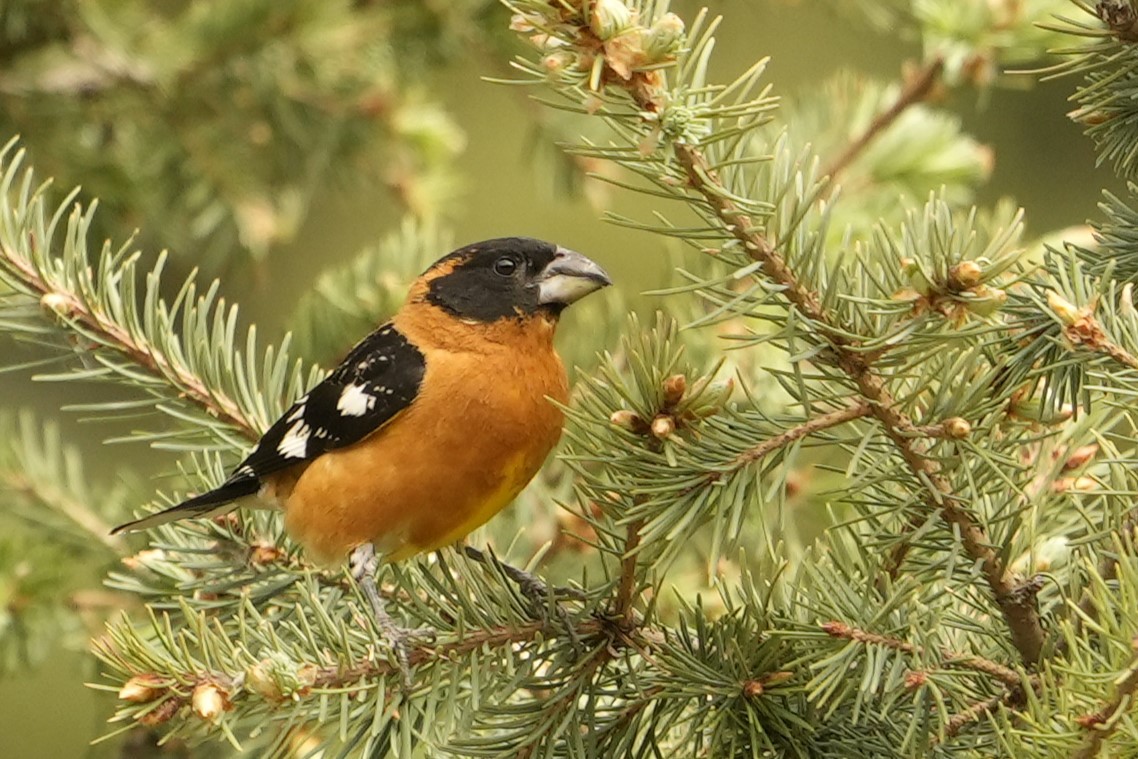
(511, 277)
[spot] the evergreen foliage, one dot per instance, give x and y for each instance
(214, 125)
(957, 401)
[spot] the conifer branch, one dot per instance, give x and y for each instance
(182, 355)
(856, 410)
(49, 490)
(761, 450)
(321, 678)
(73, 308)
(917, 89)
(842, 347)
(1083, 329)
(1018, 608)
(623, 605)
(993, 669)
(1087, 607)
(978, 711)
(1102, 724)
(55, 499)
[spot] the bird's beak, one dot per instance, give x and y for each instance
(568, 278)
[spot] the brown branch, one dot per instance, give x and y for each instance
(1081, 328)
(1015, 683)
(856, 410)
(979, 711)
(1120, 17)
(74, 308)
(1119, 354)
(817, 424)
(845, 632)
(993, 669)
(916, 90)
(1107, 570)
(1102, 724)
(626, 590)
(163, 701)
(1018, 607)
(1016, 602)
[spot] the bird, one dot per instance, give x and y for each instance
(430, 425)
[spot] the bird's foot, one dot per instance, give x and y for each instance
(363, 563)
(545, 599)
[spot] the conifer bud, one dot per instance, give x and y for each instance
(986, 300)
(1126, 301)
(141, 689)
(259, 679)
(209, 701)
(966, 275)
(664, 38)
(753, 688)
(160, 714)
(918, 279)
(906, 294)
(629, 420)
(1067, 312)
(1075, 484)
(663, 427)
(58, 304)
(1080, 457)
(558, 61)
(674, 389)
(520, 22)
(277, 678)
(609, 18)
(263, 554)
(957, 428)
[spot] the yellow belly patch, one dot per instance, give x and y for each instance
(516, 474)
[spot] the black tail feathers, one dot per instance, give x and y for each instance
(213, 502)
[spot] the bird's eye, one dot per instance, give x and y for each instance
(505, 266)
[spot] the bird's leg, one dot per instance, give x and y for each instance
(533, 588)
(363, 563)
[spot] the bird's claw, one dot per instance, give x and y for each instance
(537, 592)
(363, 563)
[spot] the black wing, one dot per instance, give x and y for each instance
(379, 378)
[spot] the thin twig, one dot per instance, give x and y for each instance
(339, 676)
(915, 91)
(1016, 602)
(626, 588)
(1119, 354)
(1018, 608)
(1107, 570)
(1103, 723)
(74, 308)
(993, 669)
(854, 411)
(979, 711)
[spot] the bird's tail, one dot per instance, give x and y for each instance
(206, 504)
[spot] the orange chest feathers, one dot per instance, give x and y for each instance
(477, 432)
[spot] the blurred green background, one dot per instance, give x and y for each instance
(1040, 159)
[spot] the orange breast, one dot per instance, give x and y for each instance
(477, 433)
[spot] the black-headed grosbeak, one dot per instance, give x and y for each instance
(432, 423)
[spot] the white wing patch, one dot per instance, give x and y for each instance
(294, 445)
(355, 401)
